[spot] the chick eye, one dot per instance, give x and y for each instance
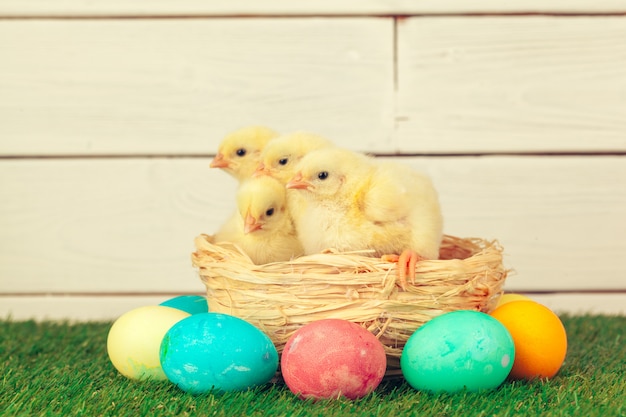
(241, 152)
(269, 212)
(322, 175)
(283, 161)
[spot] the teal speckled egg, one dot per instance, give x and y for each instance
(458, 350)
(211, 351)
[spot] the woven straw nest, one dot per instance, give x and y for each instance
(281, 297)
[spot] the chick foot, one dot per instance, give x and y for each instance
(406, 265)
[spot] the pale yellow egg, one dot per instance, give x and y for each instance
(134, 340)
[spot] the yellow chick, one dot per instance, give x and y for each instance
(355, 202)
(280, 156)
(238, 153)
(262, 227)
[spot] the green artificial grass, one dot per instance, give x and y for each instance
(62, 369)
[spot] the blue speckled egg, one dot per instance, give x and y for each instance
(192, 304)
(458, 350)
(211, 351)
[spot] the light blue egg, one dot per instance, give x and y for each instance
(209, 351)
(458, 350)
(192, 304)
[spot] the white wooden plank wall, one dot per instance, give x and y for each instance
(111, 111)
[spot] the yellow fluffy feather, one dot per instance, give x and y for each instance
(239, 152)
(262, 226)
(355, 202)
(280, 156)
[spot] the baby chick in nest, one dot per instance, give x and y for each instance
(280, 156)
(239, 152)
(355, 202)
(262, 226)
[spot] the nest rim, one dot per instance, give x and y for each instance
(281, 297)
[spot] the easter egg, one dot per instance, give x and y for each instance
(508, 297)
(539, 336)
(458, 350)
(209, 351)
(192, 304)
(331, 358)
(134, 340)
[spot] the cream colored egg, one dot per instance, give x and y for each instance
(507, 298)
(135, 338)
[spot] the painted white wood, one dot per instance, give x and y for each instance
(91, 238)
(286, 7)
(177, 86)
(127, 225)
(560, 219)
(165, 87)
(107, 225)
(581, 303)
(508, 84)
(110, 307)
(74, 308)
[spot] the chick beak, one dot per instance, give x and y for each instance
(219, 161)
(250, 224)
(261, 170)
(298, 183)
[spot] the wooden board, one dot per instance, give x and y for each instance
(74, 308)
(177, 86)
(127, 225)
(512, 84)
(286, 7)
(106, 225)
(109, 307)
(560, 219)
(110, 110)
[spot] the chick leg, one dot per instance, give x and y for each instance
(406, 265)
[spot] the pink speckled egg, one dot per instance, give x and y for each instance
(332, 358)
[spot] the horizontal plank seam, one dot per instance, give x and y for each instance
(376, 154)
(487, 154)
(173, 293)
(126, 16)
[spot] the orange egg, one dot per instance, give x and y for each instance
(539, 337)
(508, 297)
